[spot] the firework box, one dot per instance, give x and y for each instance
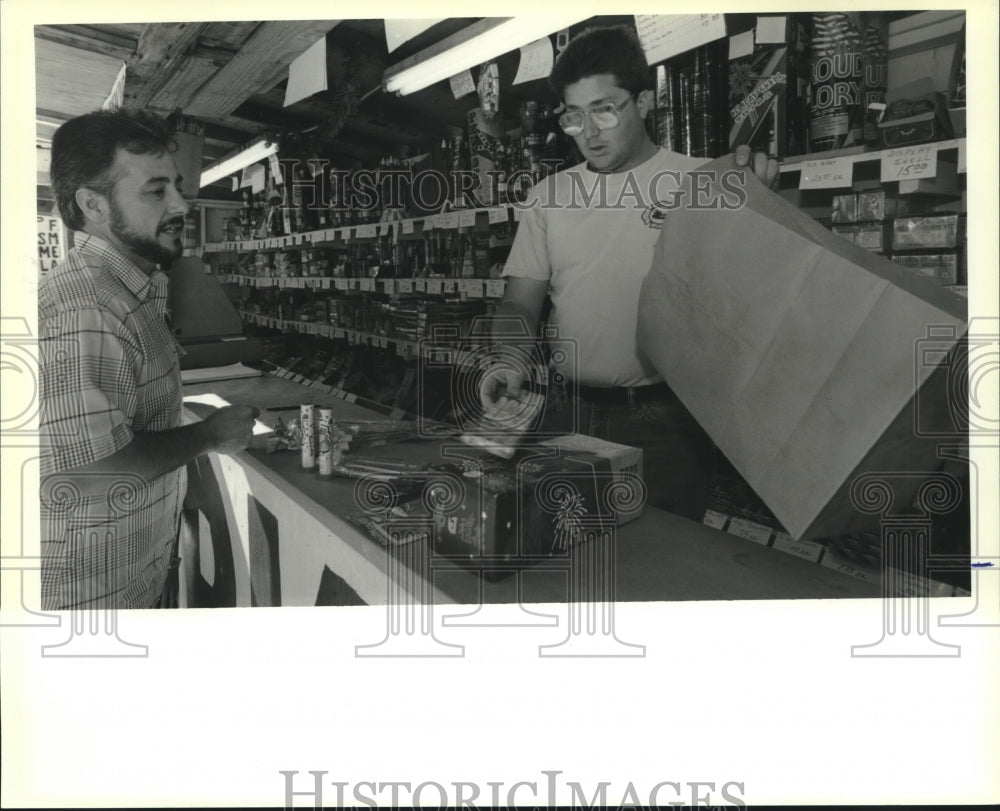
(827, 362)
(498, 514)
(767, 88)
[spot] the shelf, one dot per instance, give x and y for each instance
(914, 168)
(344, 234)
(467, 288)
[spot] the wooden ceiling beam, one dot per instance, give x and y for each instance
(262, 61)
(88, 39)
(161, 50)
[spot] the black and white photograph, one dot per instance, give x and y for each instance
(573, 408)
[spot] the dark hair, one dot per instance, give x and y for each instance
(611, 49)
(84, 150)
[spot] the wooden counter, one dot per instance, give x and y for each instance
(261, 531)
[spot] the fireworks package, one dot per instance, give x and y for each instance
(830, 365)
(498, 514)
(768, 88)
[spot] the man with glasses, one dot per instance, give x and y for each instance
(586, 240)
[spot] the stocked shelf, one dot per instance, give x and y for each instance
(395, 229)
(466, 288)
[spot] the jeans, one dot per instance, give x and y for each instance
(677, 454)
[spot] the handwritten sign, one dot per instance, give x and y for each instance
(494, 288)
(405, 285)
(365, 231)
(536, 61)
(714, 519)
(420, 285)
(497, 215)
(467, 218)
(741, 45)
(909, 163)
(750, 530)
(807, 550)
(829, 173)
(367, 285)
(434, 286)
(407, 226)
(474, 288)
(666, 35)
(50, 242)
(448, 220)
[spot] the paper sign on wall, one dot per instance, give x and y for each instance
(51, 239)
(399, 31)
(666, 35)
(771, 30)
(536, 61)
(741, 45)
(462, 84)
(116, 97)
(307, 74)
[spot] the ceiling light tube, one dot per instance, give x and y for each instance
(472, 46)
(257, 151)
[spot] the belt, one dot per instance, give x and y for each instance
(611, 395)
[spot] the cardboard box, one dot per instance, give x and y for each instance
(519, 511)
(910, 233)
(814, 348)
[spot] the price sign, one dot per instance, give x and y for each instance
(909, 163)
(517, 214)
(751, 530)
(434, 287)
(474, 288)
(494, 288)
(405, 286)
(324, 283)
(715, 519)
(829, 173)
(447, 285)
(340, 284)
(467, 218)
(448, 220)
(353, 284)
(807, 550)
(407, 226)
(420, 285)
(338, 332)
(345, 234)
(387, 286)
(367, 285)
(497, 215)
(366, 231)
(383, 229)
(383, 342)
(352, 336)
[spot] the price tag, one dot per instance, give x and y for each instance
(909, 163)
(404, 286)
(367, 285)
(365, 231)
(434, 286)
(407, 226)
(340, 284)
(715, 519)
(494, 288)
(807, 550)
(474, 288)
(447, 285)
(829, 173)
(751, 530)
(420, 285)
(448, 220)
(497, 215)
(467, 218)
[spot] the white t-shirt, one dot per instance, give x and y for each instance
(591, 236)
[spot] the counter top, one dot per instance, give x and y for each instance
(658, 557)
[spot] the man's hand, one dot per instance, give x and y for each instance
(765, 168)
(230, 429)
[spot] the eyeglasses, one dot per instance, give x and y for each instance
(605, 117)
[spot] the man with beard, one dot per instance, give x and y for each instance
(113, 450)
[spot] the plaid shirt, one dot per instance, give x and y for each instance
(109, 367)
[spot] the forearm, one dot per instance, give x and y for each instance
(149, 455)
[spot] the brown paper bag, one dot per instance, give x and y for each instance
(797, 351)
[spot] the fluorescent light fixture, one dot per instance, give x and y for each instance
(257, 151)
(480, 42)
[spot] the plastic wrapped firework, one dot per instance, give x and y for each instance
(837, 78)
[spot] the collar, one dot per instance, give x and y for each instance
(143, 287)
